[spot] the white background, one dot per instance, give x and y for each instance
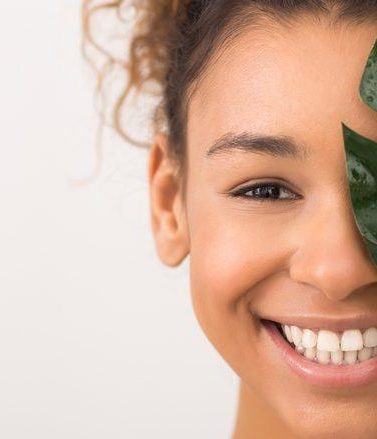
(97, 338)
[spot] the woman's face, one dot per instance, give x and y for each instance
(296, 258)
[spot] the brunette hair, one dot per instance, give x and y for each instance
(173, 41)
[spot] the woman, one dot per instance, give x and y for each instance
(247, 176)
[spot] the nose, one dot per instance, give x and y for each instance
(331, 254)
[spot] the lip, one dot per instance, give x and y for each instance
(318, 374)
(360, 321)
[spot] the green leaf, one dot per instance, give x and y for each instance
(368, 85)
(361, 158)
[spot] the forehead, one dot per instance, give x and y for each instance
(300, 81)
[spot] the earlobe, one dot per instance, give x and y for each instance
(167, 212)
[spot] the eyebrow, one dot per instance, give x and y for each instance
(280, 146)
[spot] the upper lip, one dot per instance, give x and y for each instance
(336, 324)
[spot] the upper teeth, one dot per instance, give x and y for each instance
(332, 346)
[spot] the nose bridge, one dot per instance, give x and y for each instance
(331, 254)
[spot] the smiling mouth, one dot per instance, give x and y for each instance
(340, 348)
(335, 359)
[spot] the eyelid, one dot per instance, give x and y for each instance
(267, 181)
(240, 191)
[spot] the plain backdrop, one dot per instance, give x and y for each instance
(97, 338)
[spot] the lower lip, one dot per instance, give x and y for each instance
(319, 374)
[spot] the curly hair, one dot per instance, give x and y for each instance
(172, 42)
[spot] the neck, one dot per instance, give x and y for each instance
(256, 419)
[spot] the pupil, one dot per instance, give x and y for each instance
(268, 191)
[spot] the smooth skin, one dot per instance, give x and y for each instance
(298, 256)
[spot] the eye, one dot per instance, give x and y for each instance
(268, 191)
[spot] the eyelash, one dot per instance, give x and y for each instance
(241, 193)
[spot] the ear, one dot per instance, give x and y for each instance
(167, 211)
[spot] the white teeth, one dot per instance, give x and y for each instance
(337, 357)
(327, 347)
(328, 341)
(364, 354)
(323, 357)
(296, 335)
(352, 340)
(309, 338)
(287, 332)
(310, 353)
(350, 357)
(370, 338)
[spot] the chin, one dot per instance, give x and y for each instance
(327, 422)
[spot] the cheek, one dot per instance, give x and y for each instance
(231, 251)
